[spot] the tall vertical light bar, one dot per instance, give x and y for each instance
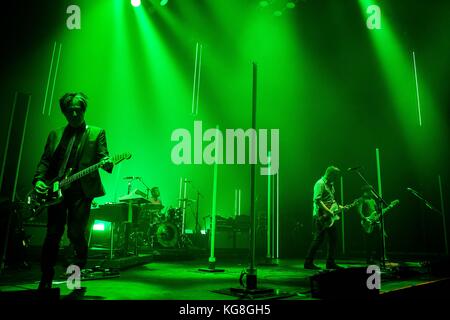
(21, 148)
(195, 80)
(278, 215)
(197, 73)
(252, 272)
(343, 216)
(273, 218)
(239, 202)
(8, 137)
(54, 80)
(180, 193)
(184, 205)
(198, 78)
(417, 88)
(48, 79)
(212, 258)
(269, 208)
(380, 192)
(235, 202)
(443, 214)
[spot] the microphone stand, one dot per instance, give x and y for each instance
(196, 215)
(432, 208)
(379, 207)
(427, 203)
(148, 189)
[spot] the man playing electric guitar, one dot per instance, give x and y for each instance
(75, 146)
(323, 218)
(370, 223)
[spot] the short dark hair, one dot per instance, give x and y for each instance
(332, 172)
(73, 97)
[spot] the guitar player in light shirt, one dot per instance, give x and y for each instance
(76, 146)
(323, 199)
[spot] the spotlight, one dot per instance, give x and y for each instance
(263, 4)
(163, 3)
(135, 3)
(278, 13)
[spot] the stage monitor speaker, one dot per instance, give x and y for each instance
(439, 267)
(350, 283)
(241, 239)
(224, 238)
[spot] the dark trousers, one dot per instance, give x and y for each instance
(372, 242)
(319, 236)
(73, 210)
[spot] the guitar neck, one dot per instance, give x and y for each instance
(80, 174)
(116, 159)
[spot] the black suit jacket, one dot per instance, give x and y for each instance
(94, 150)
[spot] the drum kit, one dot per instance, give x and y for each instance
(162, 229)
(154, 227)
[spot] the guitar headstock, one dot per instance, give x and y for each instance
(354, 203)
(120, 157)
(394, 203)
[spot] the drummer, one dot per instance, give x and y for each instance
(154, 199)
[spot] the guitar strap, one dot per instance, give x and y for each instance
(328, 190)
(63, 168)
(81, 145)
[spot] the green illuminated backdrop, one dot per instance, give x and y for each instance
(335, 89)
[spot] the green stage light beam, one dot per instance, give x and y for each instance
(135, 3)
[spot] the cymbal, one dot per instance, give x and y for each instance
(193, 200)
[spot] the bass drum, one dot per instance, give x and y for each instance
(167, 235)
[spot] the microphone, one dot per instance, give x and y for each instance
(354, 168)
(412, 190)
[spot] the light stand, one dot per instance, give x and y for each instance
(212, 258)
(269, 261)
(251, 287)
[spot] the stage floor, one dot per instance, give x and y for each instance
(182, 280)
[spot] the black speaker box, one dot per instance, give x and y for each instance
(342, 284)
(224, 238)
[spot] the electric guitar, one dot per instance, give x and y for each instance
(39, 201)
(327, 219)
(369, 223)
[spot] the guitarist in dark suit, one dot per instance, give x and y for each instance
(76, 146)
(371, 223)
(371, 240)
(323, 198)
